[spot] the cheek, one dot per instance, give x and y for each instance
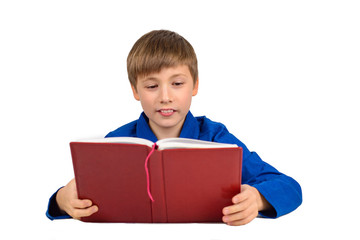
(186, 100)
(146, 102)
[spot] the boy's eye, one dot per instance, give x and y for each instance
(151, 86)
(178, 83)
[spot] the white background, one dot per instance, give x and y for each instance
(283, 76)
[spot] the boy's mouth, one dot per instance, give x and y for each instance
(166, 112)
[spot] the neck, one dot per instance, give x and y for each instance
(162, 133)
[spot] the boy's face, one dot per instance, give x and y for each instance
(166, 98)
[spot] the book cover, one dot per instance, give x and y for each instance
(187, 184)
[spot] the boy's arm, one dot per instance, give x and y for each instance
(65, 203)
(282, 192)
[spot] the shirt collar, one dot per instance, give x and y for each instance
(143, 129)
(190, 128)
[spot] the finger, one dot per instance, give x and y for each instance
(244, 203)
(235, 208)
(245, 194)
(81, 204)
(242, 221)
(79, 213)
(238, 215)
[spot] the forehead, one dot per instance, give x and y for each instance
(168, 72)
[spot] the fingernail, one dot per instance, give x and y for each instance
(95, 209)
(226, 211)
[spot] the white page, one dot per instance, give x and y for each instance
(171, 143)
(129, 140)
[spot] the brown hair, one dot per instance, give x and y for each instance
(160, 49)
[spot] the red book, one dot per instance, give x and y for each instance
(189, 180)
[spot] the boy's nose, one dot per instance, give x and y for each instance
(165, 95)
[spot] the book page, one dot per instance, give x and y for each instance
(128, 140)
(173, 143)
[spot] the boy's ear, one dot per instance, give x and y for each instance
(196, 87)
(136, 95)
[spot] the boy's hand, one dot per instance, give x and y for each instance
(68, 201)
(247, 205)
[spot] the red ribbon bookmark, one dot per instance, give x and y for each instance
(147, 172)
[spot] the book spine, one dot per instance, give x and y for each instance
(157, 185)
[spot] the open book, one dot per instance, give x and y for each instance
(172, 180)
(168, 143)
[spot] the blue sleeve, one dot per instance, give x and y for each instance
(53, 212)
(282, 192)
(128, 130)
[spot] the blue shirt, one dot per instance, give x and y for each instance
(281, 191)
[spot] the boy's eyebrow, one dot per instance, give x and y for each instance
(178, 75)
(145, 79)
(172, 76)
(149, 78)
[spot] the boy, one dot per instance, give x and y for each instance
(162, 69)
